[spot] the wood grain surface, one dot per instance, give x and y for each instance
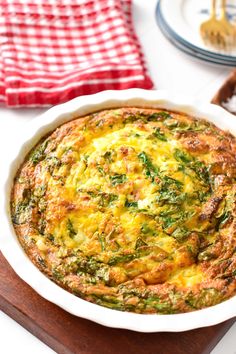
(67, 334)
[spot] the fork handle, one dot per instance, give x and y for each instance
(223, 9)
(213, 8)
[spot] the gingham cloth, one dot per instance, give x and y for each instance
(54, 50)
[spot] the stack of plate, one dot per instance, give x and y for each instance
(179, 20)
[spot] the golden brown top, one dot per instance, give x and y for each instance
(133, 209)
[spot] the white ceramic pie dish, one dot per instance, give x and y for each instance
(14, 156)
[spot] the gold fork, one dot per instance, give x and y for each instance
(228, 30)
(211, 30)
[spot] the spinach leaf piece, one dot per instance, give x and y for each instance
(151, 170)
(39, 154)
(159, 135)
(70, 229)
(118, 179)
(131, 204)
(197, 166)
(182, 156)
(159, 116)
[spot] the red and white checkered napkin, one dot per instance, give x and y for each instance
(54, 50)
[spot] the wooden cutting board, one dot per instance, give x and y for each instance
(67, 334)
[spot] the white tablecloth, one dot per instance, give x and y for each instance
(170, 69)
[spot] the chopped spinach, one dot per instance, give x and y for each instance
(182, 127)
(170, 191)
(70, 229)
(20, 213)
(39, 154)
(159, 135)
(139, 243)
(201, 170)
(101, 171)
(197, 166)
(123, 258)
(223, 218)
(182, 156)
(158, 116)
(160, 306)
(180, 234)
(107, 199)
(145, 229)
(108, 156)
(151, 170)
(131, 204)
(171, 197)
(101, 238)
(118, 179)
(52, 163)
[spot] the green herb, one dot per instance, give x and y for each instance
(102, 241)
(197, 166)
(224, 218)
(70, 229)
(42, 226)
(158, 134)
(145, 229)
(52, 163)
(159, 116)
(207, 297)
(41, 261)
(182, 156)
(170, 191)
(39, 154)
(51, 237)
(57, 275)
(101, 171)
(190, 302)
(124, 258)
(180, 234)
(20, 213)
(107, 199)
(151, 170)
(201, 170)
(131, 204)
(89, 265)
(201, 196)
(139, 243)
(170, 197)
(169, 221)
(171, 182)
(182, 127)
(108, 156)
(160, 306)
(118, 179)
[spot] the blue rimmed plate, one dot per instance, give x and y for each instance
(187, 50)
(181, 20)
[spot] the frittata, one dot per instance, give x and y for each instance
(132, 209)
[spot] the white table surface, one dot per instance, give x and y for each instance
(170, 69)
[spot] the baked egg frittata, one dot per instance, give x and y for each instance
(132, 209)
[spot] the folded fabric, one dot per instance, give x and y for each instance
(52, 51)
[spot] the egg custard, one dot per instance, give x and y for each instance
(132, 209)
